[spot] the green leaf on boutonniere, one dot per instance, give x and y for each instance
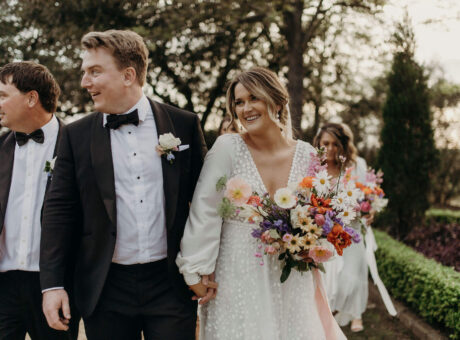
(47, 166)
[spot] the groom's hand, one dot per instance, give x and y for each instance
(209, 282)
(55, 301)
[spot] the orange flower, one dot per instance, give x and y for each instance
(254, 201)
(307, 182)
(360, 185)
(379, 191)
(367, 191)
(339, 238)
(321, 204)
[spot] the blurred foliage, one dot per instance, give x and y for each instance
(408, 156)
(195, 46)
(443, 216)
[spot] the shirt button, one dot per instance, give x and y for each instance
(138, 177)
(135, 154)
(129, 132)
(142, 201)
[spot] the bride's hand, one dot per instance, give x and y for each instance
(206, 290)
(199, 289)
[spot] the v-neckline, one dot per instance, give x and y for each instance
(257, 170)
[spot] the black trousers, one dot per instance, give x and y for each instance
(139, 298)
(21, 309)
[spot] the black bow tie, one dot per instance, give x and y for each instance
(37, 136)
(115, 121)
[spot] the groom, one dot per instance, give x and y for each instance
(131, 203)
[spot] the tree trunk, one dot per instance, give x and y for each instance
(295, 36)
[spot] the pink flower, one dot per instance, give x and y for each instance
(238, 191)
(319, 219)
(365, 206)
(266, 238)
(320, 254)
(287, 237)
(270, 250)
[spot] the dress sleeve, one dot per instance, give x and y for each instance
(200, 244)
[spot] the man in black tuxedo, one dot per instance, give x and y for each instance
(133, 201)
(28, 98)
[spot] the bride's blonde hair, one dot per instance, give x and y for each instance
(265, 85)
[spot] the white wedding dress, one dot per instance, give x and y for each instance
(251, 302)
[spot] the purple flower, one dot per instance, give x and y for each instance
(265, 225)
(353, 233)
(256, 233)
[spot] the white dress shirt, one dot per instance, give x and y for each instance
(141, 222)
(20, 239)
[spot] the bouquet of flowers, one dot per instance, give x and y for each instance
(372, 198)
(304, 224)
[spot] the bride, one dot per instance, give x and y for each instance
(251, 302)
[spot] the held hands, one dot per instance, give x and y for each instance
(55, 301)
(206, 290)
(370, 217)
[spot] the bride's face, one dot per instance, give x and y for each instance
(251, 111)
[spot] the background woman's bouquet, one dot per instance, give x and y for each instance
(304, 224)
(372, 199)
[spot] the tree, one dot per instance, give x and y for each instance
(408, 155)
(445, 96)
(195, 46)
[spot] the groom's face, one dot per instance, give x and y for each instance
(104, 81)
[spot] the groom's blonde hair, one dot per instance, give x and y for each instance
(127, 48)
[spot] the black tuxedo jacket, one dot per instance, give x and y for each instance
(80, 209)
(7, 146)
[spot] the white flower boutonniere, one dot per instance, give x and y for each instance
(49, 167)
(167, 144)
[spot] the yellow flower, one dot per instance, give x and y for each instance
(294, 244)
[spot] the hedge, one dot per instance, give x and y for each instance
(427, 287)
(443, 215)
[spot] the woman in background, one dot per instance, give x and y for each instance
(346, 276)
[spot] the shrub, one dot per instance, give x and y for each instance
(437, 240)
(427, 287)
(443, 215)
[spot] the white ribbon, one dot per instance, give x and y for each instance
(371, 247)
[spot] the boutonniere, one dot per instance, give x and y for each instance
(49, 167)
(167, 144)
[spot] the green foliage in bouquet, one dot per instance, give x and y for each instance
(427, 287)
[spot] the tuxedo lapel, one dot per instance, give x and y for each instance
(6, 172)
(101, 159)
(171, 172)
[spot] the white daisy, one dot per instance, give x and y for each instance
(322, 182)
(347, 216)
(339, 202)
(351, 193)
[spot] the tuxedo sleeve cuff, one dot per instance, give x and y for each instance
(192, 278)
(53, 288)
